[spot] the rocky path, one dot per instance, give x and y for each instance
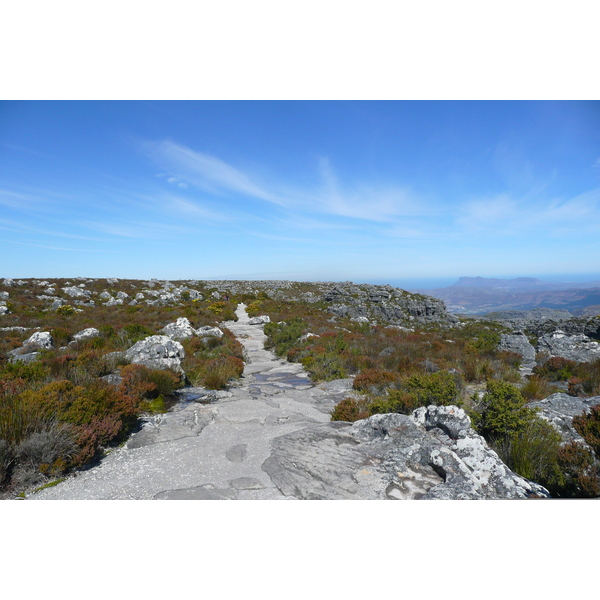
(213, 450)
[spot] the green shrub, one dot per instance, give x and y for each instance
(532, 452)
(438, 388)
(502, 410)
(61, 336)
(556, 369)
(538, 388)
(397, 401)
(282, 336)
(136, 332)
(325, 367)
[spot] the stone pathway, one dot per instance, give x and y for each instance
(217, 450)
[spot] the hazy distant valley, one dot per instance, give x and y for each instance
(480, 295)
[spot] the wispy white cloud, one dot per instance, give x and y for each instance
(207, 172)
(356, 200)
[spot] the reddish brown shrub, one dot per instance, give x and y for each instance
(373, 378)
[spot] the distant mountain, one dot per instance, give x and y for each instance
(479, 295)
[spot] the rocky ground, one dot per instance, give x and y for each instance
(270, 437)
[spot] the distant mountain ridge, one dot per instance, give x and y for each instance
(479, 295)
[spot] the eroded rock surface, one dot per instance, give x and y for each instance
(157, 352)
(432, 454)
(559, 410)
(577, 347)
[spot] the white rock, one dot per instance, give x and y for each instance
(86, 334)
(40, 339)
(259, 320)
(207, 330)
(181, 329)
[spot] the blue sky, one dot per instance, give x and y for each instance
(406, 192)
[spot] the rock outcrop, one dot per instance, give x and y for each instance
(86, 334)
(572, 347)
(383, 302)
(180, 330)
(519, 343)
(260, 320)
(432, 454)
(157, 352)
(559, 410)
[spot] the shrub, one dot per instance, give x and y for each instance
(150, 383)
(588, 427)
(397, 401)
(282, 336)
(349, 409)
(556, 369)
(538, 388)
(325, 367)
(30, 372)
(60, 335)
(532, 452)
(368, 379)
(580, 475)
(136, 332)
(434, 388)
(502, 410)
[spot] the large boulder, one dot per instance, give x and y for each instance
(432, 454)
(157, 352)
(180, 330)
(41, 340)
(519, 343)
(578, 347)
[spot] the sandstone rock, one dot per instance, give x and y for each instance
(260, 320)
(76, 292)
(8, 282)
(559, 410)
(122, 295)
(157, 352)
(577, 347)
(307, 336)
(40, 339)
(432, 454)
(519, 343)
(86, 334)
(181, 329)
(114, 302)
(112, 280)
(4, 295)
(4, 310)
(208, 331)
(105, 295)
